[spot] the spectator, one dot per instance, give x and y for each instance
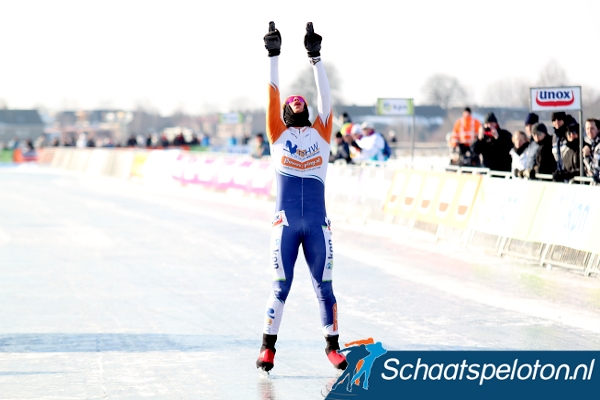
(494, 145)
(545, 163)
(591, 150)
(342, 149)
(392, 136)
(346, 118)
(462, 137)
(245, 139)
(148, 141)
(164, 140)
(132, 141)
(261, 147)
(569, 155)
(371, 144)
(351, 133)
(179, 140)
(522, 153)
(205, 142)
(195, 141)
(529, 122)
(559, 122)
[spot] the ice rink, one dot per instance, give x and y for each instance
(114, 289)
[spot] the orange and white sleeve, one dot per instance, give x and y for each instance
(275, 125)
(324, 123)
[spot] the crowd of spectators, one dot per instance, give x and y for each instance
(356, 143)
(531, 152)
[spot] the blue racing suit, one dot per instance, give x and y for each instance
(300, 157)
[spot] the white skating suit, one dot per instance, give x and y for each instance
(300, 157)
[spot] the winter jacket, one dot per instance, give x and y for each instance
(495, 152)
(545, 163)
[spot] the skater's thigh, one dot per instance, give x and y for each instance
(318, 250)
(285, 242)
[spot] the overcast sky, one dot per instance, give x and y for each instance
(200, 56)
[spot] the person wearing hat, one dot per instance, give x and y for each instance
(522, 156)
(494, 145)
(545, 163)
(560, 122)
(569, 155)
(532, 118)
(591, 150)
(370, 143)
(342, 150)
(261, 147)
(300, 153)
(463, 135)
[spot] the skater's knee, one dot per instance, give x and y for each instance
(281, 290)
(324, 291)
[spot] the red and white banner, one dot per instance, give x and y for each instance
(557, 98)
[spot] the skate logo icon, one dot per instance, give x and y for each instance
(360, 356)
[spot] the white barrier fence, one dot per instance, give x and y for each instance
(552, 224)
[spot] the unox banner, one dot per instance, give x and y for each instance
(559, 98)
(377, 373)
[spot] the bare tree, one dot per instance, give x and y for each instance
(552, 75)
(507, 93)
(444, 90)
(242, 104)
(591, 102)
(305, 85)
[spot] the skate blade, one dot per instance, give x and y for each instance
(263, 374)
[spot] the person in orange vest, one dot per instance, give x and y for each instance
(462, 137)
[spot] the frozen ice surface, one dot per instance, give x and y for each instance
(112, 289)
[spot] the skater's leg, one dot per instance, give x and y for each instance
(284, 251)
(318, 250)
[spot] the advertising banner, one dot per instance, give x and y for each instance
(557, 98)
(568, 215)
(436, 197)
(137, 168)
(395, 107)
(375, 372)
(507, 207)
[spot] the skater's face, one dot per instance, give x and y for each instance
(296, 103)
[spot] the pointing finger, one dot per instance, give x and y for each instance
(309, 28)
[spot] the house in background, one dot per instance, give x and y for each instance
(22, 124)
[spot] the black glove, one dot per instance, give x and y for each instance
(312, 41)
(273, 40)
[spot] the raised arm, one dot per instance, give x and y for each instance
(323, 124)
(275, 126)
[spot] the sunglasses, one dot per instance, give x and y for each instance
(291, 99)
